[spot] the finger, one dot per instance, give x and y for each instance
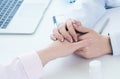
(57, 35)
(71, 29)
(78, 23)
(62, 30)
(82, 44)
(84, 36)
(81, 29)
(53, 38)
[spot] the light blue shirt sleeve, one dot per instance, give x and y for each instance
(112, 3)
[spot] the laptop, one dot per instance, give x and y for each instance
(21, 16)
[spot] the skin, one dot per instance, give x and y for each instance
(60, 49)
(65, 31)
(73, 31)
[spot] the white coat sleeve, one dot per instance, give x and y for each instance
(87, 11)
(114, 36)
(115, 43)
(24, 67)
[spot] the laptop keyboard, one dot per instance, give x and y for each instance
(8, 8)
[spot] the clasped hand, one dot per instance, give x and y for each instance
(73, 31)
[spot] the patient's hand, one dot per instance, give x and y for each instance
(73, 31)
(65, 31)
(61, 49)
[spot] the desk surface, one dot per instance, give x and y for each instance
(71, 67)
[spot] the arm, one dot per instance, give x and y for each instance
(88, 12)
(30, 66)
(23, 67)
(60, 49)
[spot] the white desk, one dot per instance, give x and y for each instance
(71, 67)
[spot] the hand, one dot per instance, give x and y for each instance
(60, 49)
(66, 31)
(100, 44)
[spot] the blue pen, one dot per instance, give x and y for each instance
(55, 21)
(72, 1)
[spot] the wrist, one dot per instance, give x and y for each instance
(46, 56)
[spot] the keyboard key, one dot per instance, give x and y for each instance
(8, 12)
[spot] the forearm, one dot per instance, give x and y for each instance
(46, 55)
(53, 51)
(60, 49)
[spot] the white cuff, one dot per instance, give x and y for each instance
(115, 41)
(32, 65)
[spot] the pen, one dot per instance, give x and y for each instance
(56, 25)
(55, 21)
(72, 1)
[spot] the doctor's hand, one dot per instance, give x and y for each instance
(66, 31)
(100, 44)
(61, 49)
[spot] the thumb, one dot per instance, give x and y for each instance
(81, 29)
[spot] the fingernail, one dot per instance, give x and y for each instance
(54, 38)
(76, 40)
(74, 25)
